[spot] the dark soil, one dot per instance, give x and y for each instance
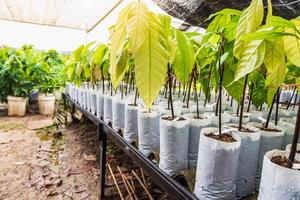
(268, 129)
(196, 117)
(244, 129)
(280, 160)
(170, 118)
(131, 104)
(223, 137)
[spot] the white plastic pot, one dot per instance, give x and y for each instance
(148, 132)
(269, 140)
(118, 113)
(277, 182)
(107, 115)
(249, 151)
(93, 102)
(196, 126)
(225, 119)
(46, 104)
(217, 167)
(236, 119)
(16, 106)
(131, 123)
(256, 116)
(174, 140)
(288, 125)
(100, 104)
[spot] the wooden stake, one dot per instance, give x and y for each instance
(141, 183)
(115, 181)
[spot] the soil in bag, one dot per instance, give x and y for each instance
(223, 137)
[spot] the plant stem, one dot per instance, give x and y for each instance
(189, 92)
(221, 73)
(295, 139)
(290, 101)
(270, 111)
(242, 103)
(196, 96)
(170, 91)
(174, 86)
(208, 85)
(277, 106)
(217, 106)
(238, 110)
(135, 97)
(250, 99)
(296, 98)
(179, 89)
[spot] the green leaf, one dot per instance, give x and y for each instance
(117, 71)
(137, 25)
(262, 35)
(270, 12)
(119, 35)
(226, 11)
(184, 57)
(251, 58)
(275, 65)
(259, 90)
(151, 61)
(281, 22)
(292, 44)
(249, 21)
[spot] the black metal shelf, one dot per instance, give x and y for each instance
(167, 183)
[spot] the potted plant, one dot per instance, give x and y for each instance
(16, 80)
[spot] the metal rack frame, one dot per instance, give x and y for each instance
(165, 182)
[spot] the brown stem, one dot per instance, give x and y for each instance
(270, 111)
(250, 98)
(170, 91)
(295, 139)
(242, 104)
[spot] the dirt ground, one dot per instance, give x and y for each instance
(36, 164)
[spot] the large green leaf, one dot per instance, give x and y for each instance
(151, 60)
(292, 44)
(252, 57)
(137, 25)
(118, 37)
(184, 57)
(117, 71)
(275, 65)
(249, 21)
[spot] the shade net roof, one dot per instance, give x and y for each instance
(77, 14)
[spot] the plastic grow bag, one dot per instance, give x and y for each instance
(196, 126)
(174, 140)
(131, 123)
(236, 119)
(148, 131)
(268, 141)
(118, 113)
(100, 105)
(288, 125)
(107, 115)
(93, 103)
(278, 183)
(249, 151)
(225, 119)
(217, 167)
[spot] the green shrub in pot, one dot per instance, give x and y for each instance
(16, 78)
